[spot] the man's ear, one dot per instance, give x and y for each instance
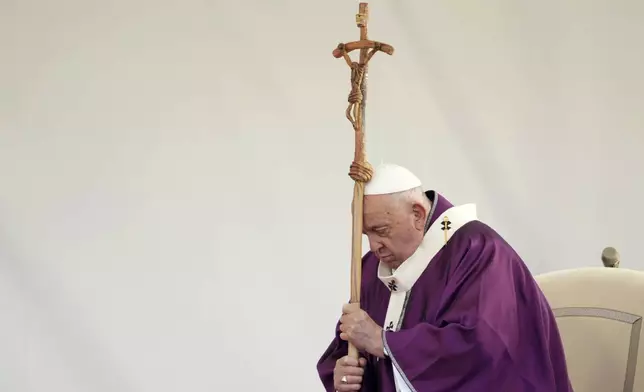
(420, 216)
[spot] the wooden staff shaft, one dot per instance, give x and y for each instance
(361, 171)
(358, 189)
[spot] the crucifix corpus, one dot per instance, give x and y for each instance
(360, 170)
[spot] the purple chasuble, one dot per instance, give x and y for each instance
(474, 321)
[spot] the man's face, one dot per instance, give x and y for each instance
(395, 227)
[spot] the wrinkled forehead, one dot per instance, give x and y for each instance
(377, 209)
(377, 203)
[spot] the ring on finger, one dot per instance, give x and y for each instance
(344, 380)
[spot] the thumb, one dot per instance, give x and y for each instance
(363, 362)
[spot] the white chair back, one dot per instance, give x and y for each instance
(599, 313)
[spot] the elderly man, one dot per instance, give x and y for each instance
(447, 304)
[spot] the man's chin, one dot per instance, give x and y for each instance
(390, 261)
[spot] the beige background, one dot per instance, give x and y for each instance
(174, 204)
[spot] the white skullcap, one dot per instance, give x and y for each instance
(389, 178)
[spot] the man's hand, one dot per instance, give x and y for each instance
(359, 329)
(347, 375)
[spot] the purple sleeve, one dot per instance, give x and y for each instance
(454, 352)
(442, 358)
(338, 347)
(336, 350)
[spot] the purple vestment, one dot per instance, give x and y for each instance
(475, 321)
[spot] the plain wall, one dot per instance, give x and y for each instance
(174, 198)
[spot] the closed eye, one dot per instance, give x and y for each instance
(381, 231)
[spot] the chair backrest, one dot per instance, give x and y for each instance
(599, 313)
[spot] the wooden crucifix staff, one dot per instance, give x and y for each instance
(360, 170)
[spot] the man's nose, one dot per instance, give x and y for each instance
(374, 244)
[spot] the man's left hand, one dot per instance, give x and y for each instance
(359, 329)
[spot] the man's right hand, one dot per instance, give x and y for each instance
(350, 370)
